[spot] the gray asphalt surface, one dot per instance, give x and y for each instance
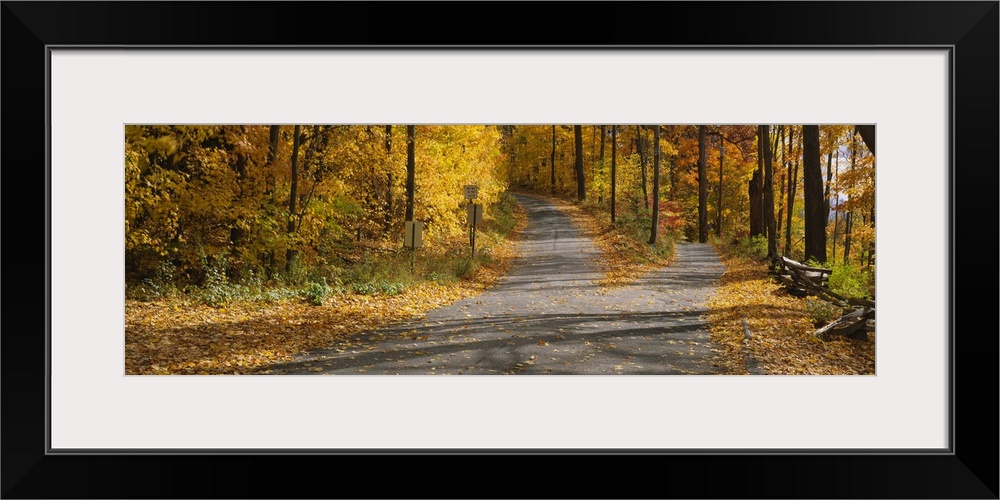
(548, 317)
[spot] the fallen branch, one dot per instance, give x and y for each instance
(748, 360)
(855, 324)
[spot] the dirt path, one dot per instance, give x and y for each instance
(549, 317)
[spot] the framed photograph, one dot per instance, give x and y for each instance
(78, 74)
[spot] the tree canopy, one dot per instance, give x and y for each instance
(262, 196)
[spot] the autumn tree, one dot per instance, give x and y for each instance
(812, 178)
(857, 186)
(600, 197)
(410, 170)
(722, 161)
(756, 194)
(642, 163)
(835, 207)
(847, 238)
(614, 172)
(656, 185)
(389, 180)
(552, 159)
(293, 195)
(792, 184)
(777, 175)
(702, 187)
(768, 198)
(581, 190)
(235, 202)
(828, 184)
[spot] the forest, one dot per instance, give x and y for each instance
(217, 215)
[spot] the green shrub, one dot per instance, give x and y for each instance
(851, 281)
(215, 287)
(251, 278)
(378, 288)
(315, 292)
(158, 286)
(752, 247)
(217, 290)
(821, 312)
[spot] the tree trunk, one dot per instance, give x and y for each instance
(673, 174)
(768, 212)
(847, 238)
(829, 175)
(781, 204)
(836, 212)
(593, 154)
(781, 182)
(552, 159)
(867, 133)
(507, 132)
(757, 192)
(656, 185)
(863, 242)
(702, 187)
(293, 196)
(614, 171)
(812, 182)
(581, 189)
(272, 157)
(389, 181)
(410, 170)
(793, 180)
(236, 233)
(829, 180)
(642, 165)
(849, 218)
(722, 161)
(600, 194)
(272, 144)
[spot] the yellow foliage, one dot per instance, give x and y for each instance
(211, 191)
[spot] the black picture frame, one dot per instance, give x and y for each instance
(969, 470)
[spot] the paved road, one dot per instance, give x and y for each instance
(549, 317)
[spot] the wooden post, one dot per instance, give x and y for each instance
(474, 208)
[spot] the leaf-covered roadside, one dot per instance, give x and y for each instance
(178, 336)
(782, 340)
